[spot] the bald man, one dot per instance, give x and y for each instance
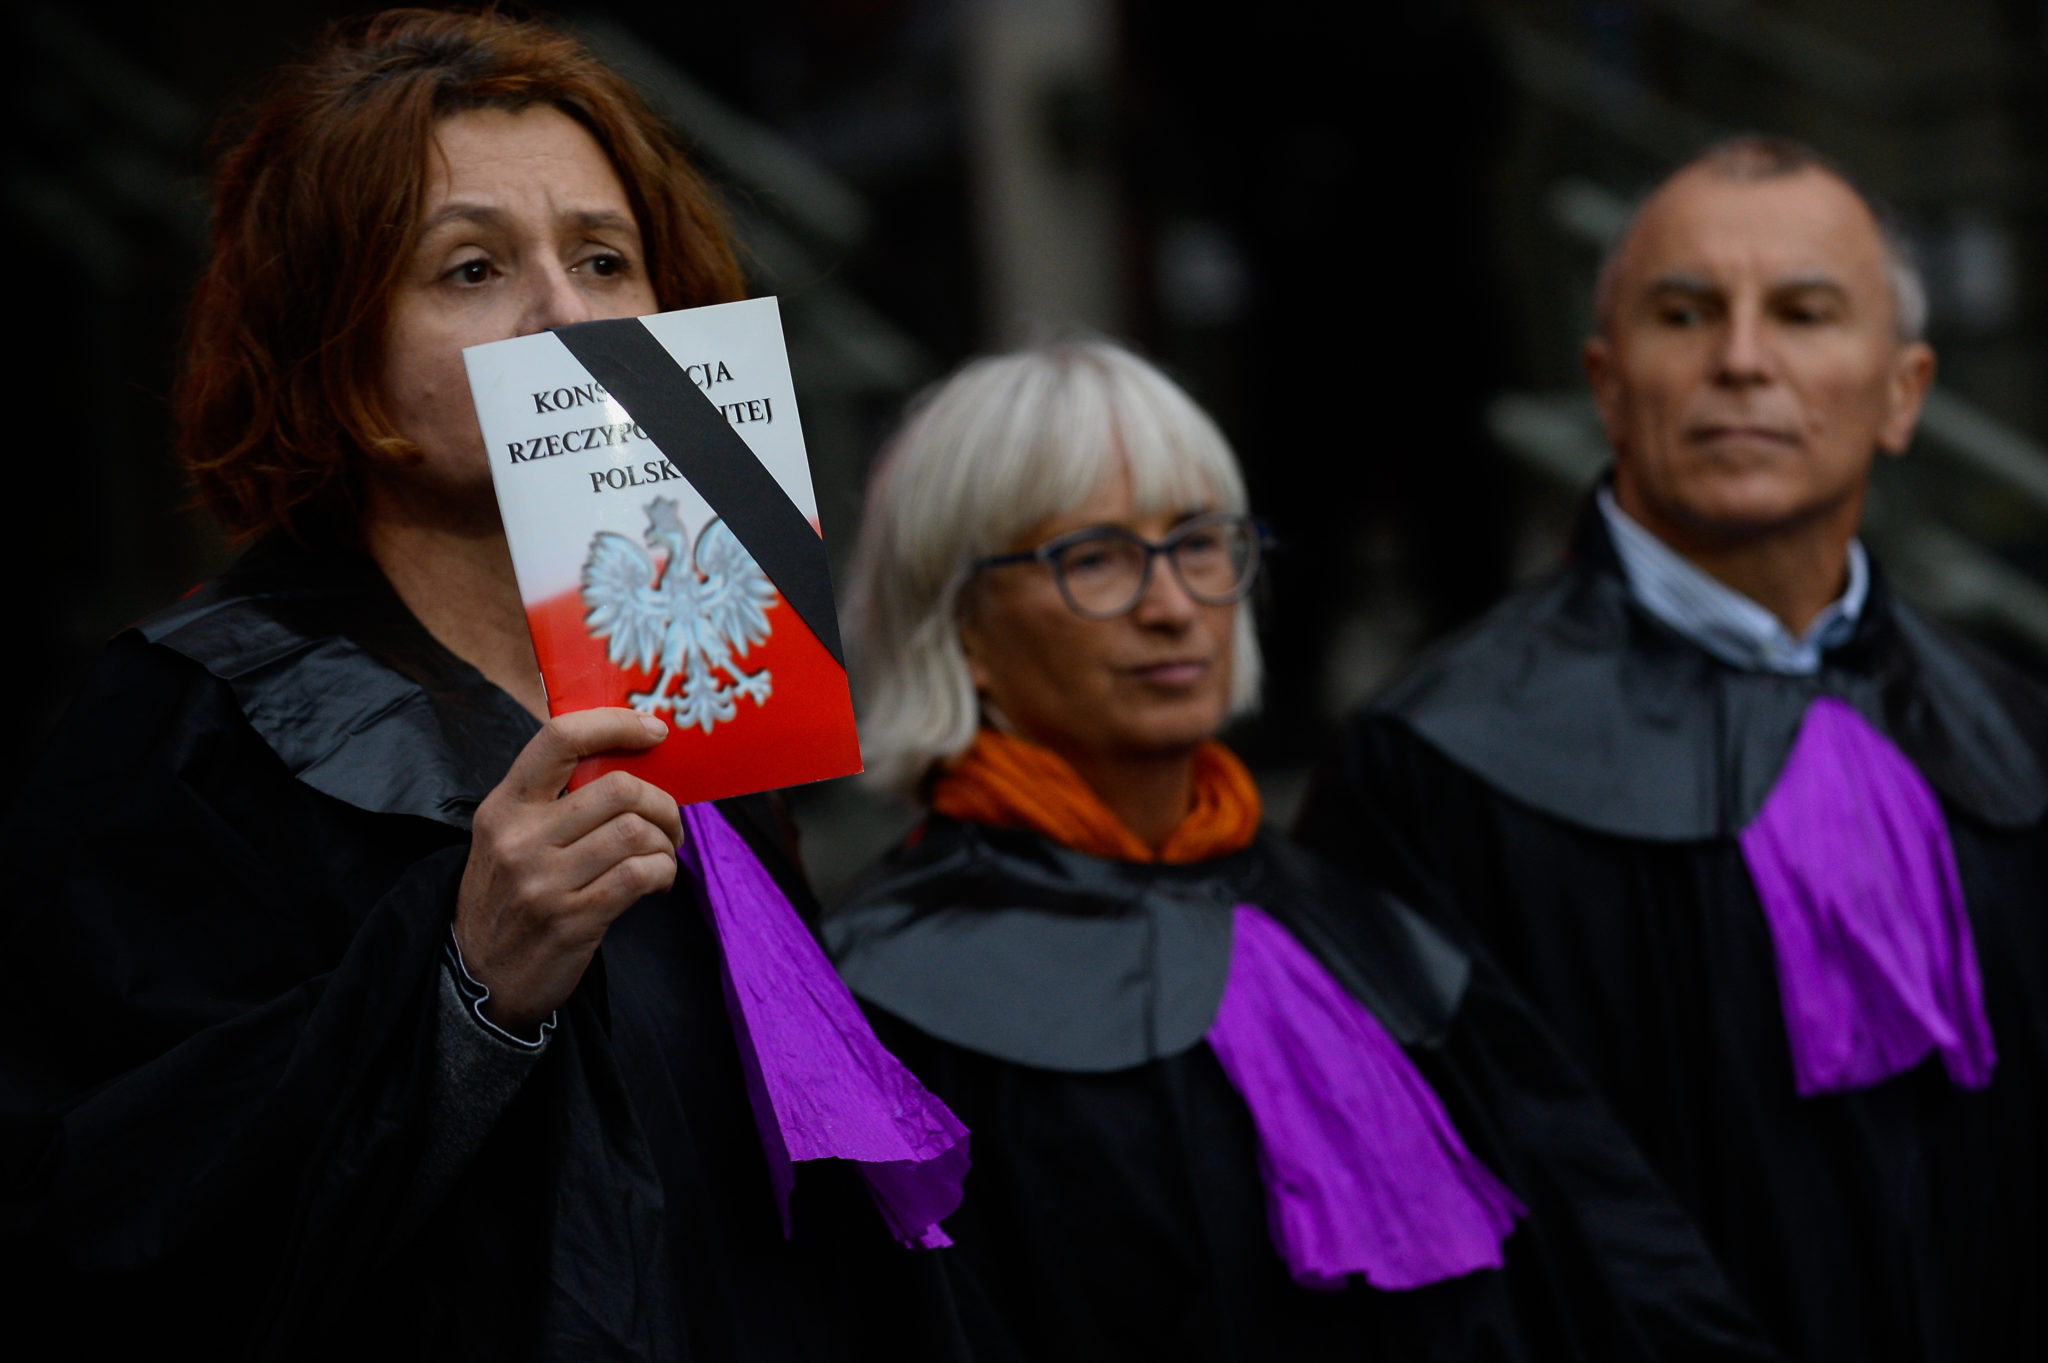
(1763, 844)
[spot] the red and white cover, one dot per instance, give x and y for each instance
(657, 498)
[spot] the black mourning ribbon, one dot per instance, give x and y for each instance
(637, 369)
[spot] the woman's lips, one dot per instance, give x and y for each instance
(1179, 672)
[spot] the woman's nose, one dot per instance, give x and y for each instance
(1165, 601)
(554, 300)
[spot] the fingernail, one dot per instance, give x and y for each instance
(656, 728)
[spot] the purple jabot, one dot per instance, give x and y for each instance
(1364, 1173)
(821, 1085)
(1852, 861)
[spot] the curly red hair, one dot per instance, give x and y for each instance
(316, 211)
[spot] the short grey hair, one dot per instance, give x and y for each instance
(1754, 156)
(1005, 443)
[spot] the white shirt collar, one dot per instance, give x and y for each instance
(1720, 619)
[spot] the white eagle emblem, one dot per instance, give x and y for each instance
(689, 616)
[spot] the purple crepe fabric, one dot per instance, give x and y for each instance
(1852, 861)
(1364, 1173)
(821, 1085)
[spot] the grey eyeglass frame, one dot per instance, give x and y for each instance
(1258, 538)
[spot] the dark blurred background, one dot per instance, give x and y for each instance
(1362, 235)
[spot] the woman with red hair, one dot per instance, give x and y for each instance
(336, 1030)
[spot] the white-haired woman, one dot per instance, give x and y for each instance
(1225, 1103)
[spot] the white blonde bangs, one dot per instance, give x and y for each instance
(1060, 430)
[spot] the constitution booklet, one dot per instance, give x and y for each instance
(657, 498)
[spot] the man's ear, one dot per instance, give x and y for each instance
(1596, 357)
(1912, 374)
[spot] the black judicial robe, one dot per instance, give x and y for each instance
(227, 896)
(1057, 1002)
(1572, 775)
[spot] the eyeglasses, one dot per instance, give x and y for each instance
(1103, 571)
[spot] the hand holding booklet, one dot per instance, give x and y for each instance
(657, 499)
(652, 479)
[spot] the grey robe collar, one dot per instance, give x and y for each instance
(345, 686)
(1573, 700)
(1005, 943)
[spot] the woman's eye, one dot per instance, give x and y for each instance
(1089, 558)
(604, 267)
(471, 271)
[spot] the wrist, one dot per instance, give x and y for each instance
(522, 1030)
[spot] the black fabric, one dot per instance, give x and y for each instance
(228, 893)
(635, 368)
(1116, 1212)
(1901, 1222)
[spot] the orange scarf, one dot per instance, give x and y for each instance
(1010, 782)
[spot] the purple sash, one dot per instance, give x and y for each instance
(1364, 1172)
(1852, 862)
(821, 1085)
